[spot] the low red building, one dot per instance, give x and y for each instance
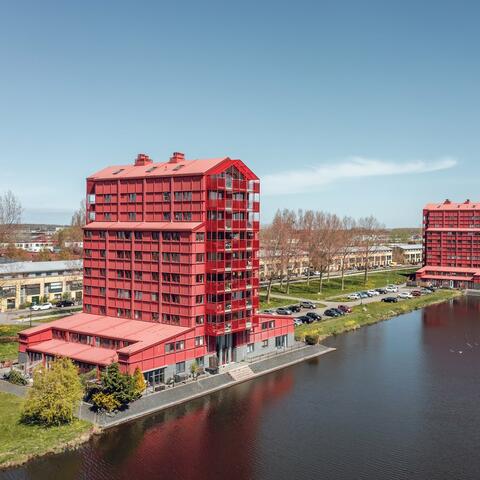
(171, 272)
(451, 245)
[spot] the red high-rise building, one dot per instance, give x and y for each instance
(451, 244)
(170, 272)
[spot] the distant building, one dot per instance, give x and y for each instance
(378, 256)
(30, 282)
(408, 253)
(451, 244)
(298, 264)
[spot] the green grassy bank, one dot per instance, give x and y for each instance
(371, 313)
(8, 342)
(19, 443)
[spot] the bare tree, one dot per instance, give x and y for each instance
(79, 219)
(286, 221)
(10, 216)
(370, 232)
(347, 239)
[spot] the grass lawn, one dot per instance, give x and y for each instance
(19, 442)
(9, 350)
(371, 313)
(332, 287)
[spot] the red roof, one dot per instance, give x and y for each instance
(184, 167)
(76, 351)
(170, 226)
(447, 205)
(141, 334)
(437, 268)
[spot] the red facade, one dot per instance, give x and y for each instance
(176, 244)
(451, 244)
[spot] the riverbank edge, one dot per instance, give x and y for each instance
(348, 324)
(73, 444)
(317, 350)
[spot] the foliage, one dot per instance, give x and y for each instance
(312, 339)
(55, 394)
(194, 368)
(121, 386)
(105, 401)
(19, 441)
(139, 381)
(15, 377)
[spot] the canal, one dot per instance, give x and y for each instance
(397, 400)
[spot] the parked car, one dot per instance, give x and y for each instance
(431, 288)
(41, 306)
(294, 308)
(390, 299)
(416, 293)
(345, 308)
(314, 315)
(391, 289)
(382, 291)
(363, 295)
(283, 311)
(354, 296)
(372, 293)
(340, 312)
(330, 312)
(405, 295)
(426, 291)
(268, 312)
(297, 322)
(305, 319)
(65, 303)
(307, 304)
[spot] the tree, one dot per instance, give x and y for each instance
(55, 394)
(10, 216)
(370, 232)
(105, 401)
(120, 385)
(139, 381)
(347, 239)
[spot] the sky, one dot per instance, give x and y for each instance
(356, 108)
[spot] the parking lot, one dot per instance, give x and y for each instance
(401, 292)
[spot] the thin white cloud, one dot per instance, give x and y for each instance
(313, 178)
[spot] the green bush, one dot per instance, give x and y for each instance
(55, 394)
(15, 377)
(312, 339)
(105, 401)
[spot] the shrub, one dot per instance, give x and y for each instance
(55, 394)
(15, 377)
(139, 382)
(312, 339)
(105, 401)
(194, 368)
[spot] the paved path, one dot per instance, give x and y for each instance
(195, 389)
(18, 390)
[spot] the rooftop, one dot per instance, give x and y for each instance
(448, 205)
(170, 226)
(141, 334)
(39, 267)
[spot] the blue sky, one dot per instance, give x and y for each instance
(352, 107)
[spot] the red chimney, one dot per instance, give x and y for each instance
(142, 160)
(177, 157)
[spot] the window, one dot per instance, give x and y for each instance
(88, 308)
(199, 278)
(199, 257)
(138, 275)
(250, 347)
(180, 367)
(138, 295)
(169, 347)
(265, 343)
(107, 216)
(199, 319)
(155, 256)
(91, 216)
(166, 216)
(199, 237)
(154, 297)
(91, 198)
(199, 299)
(178, 196)
(108, 198)
(199, 341)
(178, 216)
(166, 196)
(123, 235)
(132, 197)
(138, 255)
(180, 345)
(138, 315)
(132, 216)
(155, 236)
(187, 216)
(138, 235)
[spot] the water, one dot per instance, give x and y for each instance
(397, 400)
